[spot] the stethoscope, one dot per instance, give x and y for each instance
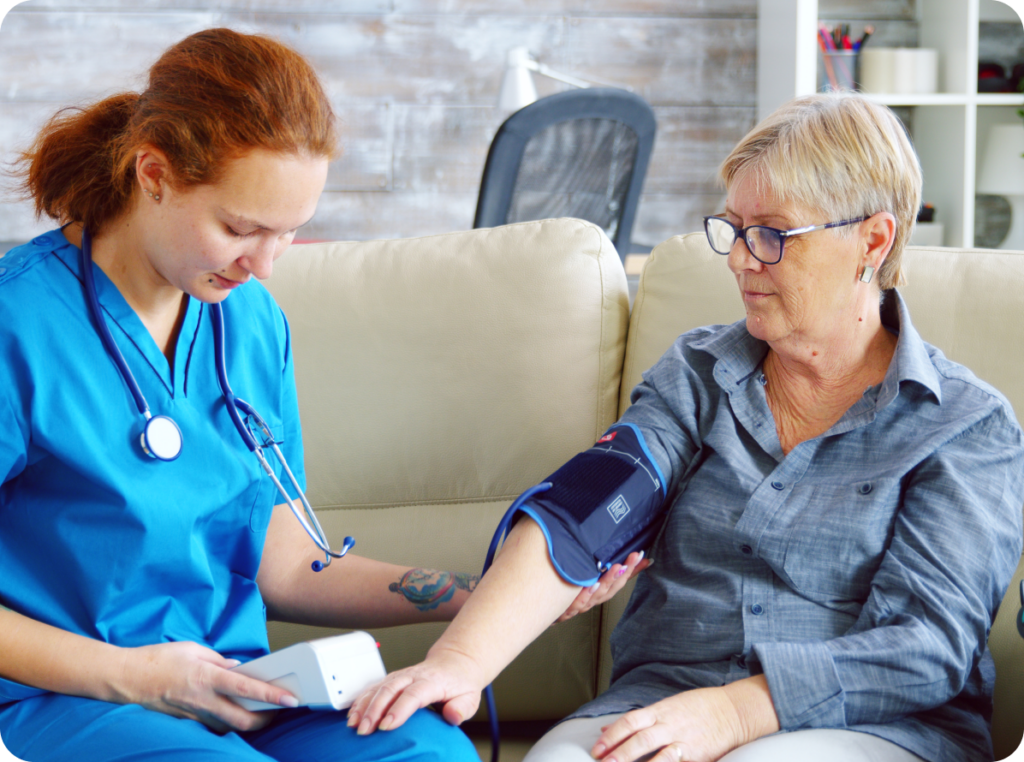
(161, 438)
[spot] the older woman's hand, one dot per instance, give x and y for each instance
(700, 725)
(606, 588)
(445, 677)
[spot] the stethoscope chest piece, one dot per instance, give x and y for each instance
(161, 439)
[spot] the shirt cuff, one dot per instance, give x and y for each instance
(804, 685)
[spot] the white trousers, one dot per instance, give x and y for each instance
(571, 741)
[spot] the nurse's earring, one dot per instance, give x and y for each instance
(865, 277)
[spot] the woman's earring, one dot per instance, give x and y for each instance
(865, 277)
(149, 193)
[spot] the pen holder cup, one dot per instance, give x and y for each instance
(838, 70)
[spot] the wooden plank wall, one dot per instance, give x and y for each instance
(416, 81)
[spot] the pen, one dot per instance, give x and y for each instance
(826, 37)
(825, 42)
(868, 31)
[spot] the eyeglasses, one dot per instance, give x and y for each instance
(765, 244)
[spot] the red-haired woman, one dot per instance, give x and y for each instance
(137, 570)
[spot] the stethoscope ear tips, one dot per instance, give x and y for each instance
(345, 548)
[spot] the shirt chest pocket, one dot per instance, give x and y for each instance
(834, 537)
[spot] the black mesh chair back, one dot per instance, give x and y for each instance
(579, 153)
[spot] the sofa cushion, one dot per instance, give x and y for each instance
(438, 378)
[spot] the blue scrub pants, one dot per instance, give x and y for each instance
(58, 728)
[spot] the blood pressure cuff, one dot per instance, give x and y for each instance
(603, 504)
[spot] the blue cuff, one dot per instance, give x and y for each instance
(804, 685)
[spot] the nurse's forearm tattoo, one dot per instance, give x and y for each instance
(427, 589)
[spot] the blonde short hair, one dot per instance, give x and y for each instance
(840, 154)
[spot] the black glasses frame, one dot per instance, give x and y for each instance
(782, 235)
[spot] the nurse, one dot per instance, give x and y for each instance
(131, 584)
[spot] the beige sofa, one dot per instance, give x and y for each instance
(439, 377)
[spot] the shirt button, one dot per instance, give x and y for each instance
(741, 662)
(747, 550)
(762, 380)
(865, 489)
(757, 609)
(778, 485)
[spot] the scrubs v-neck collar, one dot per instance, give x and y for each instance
(118, 312)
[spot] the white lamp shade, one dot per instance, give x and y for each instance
(1002, 168)
(517, 88)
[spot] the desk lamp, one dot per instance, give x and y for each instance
(1002, 174)
(517, 88)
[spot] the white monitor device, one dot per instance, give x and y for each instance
(328, 673)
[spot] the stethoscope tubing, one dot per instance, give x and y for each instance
(104, 331)
(233, 403)
(306, 516)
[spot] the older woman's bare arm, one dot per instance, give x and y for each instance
(516, 601)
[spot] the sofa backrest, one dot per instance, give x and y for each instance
(440, 377)
(967, 302)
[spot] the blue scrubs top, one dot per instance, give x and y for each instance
(96, 537)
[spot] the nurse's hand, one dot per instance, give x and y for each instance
(445, 677)
(191, 681)
(608, 586)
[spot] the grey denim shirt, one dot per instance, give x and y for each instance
(860, 573)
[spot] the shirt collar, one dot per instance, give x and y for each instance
(739, 354)
(913, 361)
(64, 250)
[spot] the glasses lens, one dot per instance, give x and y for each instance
(721, 234)
(765, 244)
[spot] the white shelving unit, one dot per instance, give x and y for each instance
(950, 127)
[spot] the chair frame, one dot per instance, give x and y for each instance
(509, 144)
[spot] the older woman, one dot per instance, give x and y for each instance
(827, 470)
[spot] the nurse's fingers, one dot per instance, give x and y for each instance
(236, 685)
(186, 679)
(224, 716)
